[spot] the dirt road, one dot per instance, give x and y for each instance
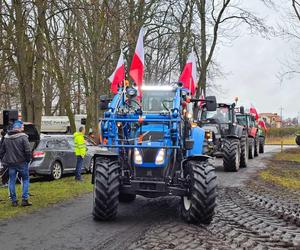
(244, 220)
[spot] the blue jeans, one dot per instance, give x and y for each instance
(79, 164)
(23, 171)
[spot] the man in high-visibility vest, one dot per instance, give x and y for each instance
(80, 151)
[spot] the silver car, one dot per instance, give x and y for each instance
(54, 156)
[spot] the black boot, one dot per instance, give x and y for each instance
(14, 203)
(26, 203)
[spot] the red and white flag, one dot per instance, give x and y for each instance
(137, 65)
(254, 112)
(188, 76)
(118, 75)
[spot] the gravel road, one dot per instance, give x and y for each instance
(245, 219)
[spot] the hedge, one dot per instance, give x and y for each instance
(276, 132)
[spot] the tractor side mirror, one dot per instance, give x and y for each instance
(104, 101)
(211, 103)
(242, 110)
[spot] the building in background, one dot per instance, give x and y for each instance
(272, 120)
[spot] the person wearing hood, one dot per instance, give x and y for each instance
(15, 153)
(80, 151)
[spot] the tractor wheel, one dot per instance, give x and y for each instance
(256, 146)
(244, 152)
(261, 144)
(106, 189)
(199, 205)
(298, 140)
(251, 148)
(232, 155)
(126, 197)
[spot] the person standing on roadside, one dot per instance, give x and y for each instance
(15, 153)
(80, 151)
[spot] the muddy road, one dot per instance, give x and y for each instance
(244, 219)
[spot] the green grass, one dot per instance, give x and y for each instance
(284, 169)
(287, 140)
(45, 193)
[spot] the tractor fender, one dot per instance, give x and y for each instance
(198, 137)
(195, 158)
(232, 137)
(104, 153)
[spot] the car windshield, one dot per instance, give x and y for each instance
(221, 115)
(242, 119)
(157, 100)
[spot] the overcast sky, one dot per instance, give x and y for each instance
(252, 63)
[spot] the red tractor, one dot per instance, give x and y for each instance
(249, 122)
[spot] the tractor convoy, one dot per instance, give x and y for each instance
(156, 147)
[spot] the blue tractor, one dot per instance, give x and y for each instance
(154, 149)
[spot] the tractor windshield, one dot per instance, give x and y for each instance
(221, 115)
(157, 100)
(242, 119)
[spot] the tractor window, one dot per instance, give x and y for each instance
(221, 115)
(157, 101)
(242, 119)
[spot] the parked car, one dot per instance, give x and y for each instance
(54, 156)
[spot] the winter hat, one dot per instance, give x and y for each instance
(17, 124)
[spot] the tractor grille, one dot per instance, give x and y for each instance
(149, 172)
(149, 154)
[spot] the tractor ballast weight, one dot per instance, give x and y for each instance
(153, 150)
(226, 138)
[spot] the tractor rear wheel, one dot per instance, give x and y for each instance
(298, 140)
(126, 197)
(244, 152)
(256, 146)
(232, 155)
(106, 189)
(199, 205)
(261, 144)
(251, 148)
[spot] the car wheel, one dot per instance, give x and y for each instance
(56, 170)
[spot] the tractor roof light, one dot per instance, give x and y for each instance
(160, 158)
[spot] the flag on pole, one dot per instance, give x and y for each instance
(254, 112)
(118, 75)
(262, 124)
(137, 65)
(188, 76)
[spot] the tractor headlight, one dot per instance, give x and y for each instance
(160, 158)
(209, 135)
(137, 157)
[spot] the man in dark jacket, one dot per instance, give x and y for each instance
(15, 153)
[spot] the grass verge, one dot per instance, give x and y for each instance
(284, 169)
(287, 140)
(44, 193)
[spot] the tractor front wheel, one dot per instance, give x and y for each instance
(261, 144)
(256, 146)
(244, 152)
(232, 155)
(198, 206)
(106, 189)
(251, 148)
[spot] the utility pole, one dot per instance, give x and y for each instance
(281, 111)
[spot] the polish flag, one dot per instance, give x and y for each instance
(118, 75)
(188, 76)
(254, 112)
(137, 65)
(202, 97)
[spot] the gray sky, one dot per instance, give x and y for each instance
(252, 63)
